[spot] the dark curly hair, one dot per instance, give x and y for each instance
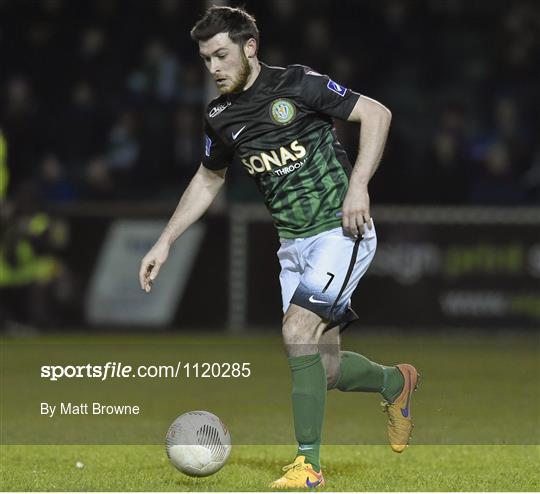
(236, 22)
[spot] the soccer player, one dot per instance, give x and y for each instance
(276, 123)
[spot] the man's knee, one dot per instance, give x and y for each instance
(301, 331)
(300, 326)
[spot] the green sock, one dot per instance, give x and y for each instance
(360, 374)
(308, 400)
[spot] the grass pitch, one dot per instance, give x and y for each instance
(477, 416)
(251, 468)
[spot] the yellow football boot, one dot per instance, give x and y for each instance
(299, 475)
(400, 423)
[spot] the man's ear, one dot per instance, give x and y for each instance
(250, 48)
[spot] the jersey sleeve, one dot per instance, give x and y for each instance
(216, 154)
(326, 96)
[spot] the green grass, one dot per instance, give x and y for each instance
(477, 416)
(250, 468)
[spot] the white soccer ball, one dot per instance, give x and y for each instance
(198, 443)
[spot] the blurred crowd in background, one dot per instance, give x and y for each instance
(104, 99)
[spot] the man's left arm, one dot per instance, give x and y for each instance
(375, 122)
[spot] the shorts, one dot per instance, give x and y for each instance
(320, 273)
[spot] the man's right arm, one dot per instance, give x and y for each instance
(197, 198)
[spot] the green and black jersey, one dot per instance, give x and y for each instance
(280, 130)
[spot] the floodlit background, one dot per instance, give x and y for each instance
(101, 111)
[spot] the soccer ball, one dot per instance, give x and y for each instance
(198, 443)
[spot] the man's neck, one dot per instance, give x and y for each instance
(255, 71)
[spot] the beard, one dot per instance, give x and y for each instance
(241, 79)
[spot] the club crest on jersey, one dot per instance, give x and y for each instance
(282, 111)
(337, 88)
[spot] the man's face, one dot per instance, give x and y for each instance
(226, 62)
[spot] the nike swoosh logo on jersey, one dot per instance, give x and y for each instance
(313, 300)
(236, 134)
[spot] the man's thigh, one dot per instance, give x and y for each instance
(334, 264)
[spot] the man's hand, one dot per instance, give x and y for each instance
(195, 200)
(151, 264)
(356, 211)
